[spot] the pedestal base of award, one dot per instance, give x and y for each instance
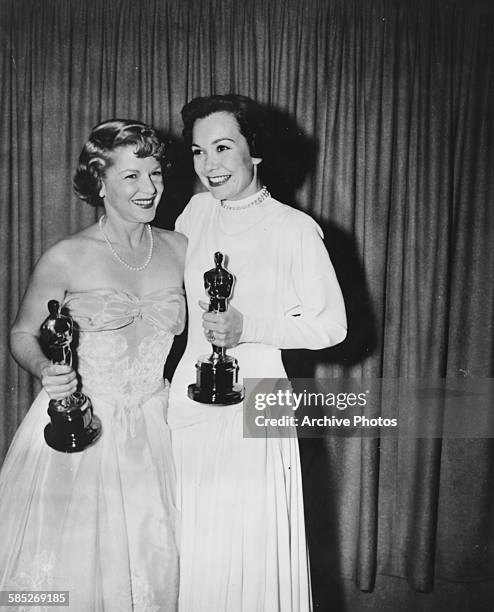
(74, 428)
(216, 381)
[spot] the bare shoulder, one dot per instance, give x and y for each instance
(49, 281)
(57, 256)
(170, 249)
(172, 240)
(63, 252)
(65, 260)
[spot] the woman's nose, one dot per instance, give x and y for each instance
(148, 186)
(210, 162)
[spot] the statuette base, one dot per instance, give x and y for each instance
(72, 429)
(216, 381)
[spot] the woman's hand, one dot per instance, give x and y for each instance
(58, 380)
(222, 328)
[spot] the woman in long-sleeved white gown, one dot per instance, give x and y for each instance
(242, 533)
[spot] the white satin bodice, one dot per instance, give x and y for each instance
(123, 340)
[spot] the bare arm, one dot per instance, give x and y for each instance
(47, 282)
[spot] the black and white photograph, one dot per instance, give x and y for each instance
(247, 284)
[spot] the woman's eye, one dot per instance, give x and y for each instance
(130, 176)
(196, 152)
(221, 148)
(157, 173)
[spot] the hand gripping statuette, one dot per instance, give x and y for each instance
(217, 374)
(73, 426)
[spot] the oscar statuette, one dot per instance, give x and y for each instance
(217, 374)
(73, 426)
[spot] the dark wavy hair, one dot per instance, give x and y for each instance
(95, 156)
(250, 115)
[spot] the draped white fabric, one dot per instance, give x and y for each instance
(101, 523)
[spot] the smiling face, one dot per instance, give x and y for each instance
(132, 186)
(222, 159)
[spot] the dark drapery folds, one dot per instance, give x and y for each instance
(393, 106)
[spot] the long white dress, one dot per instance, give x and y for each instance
(243, 545)
(101, 523)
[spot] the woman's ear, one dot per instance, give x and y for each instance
(256, 160)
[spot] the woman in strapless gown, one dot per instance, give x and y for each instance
(101, 523)
(242, 541)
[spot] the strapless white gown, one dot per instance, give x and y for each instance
(101, 523)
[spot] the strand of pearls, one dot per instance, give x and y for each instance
(117, 256)
(264, 195)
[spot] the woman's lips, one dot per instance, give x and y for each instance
(148, 203)
(217, 181)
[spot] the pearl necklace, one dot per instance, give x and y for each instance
(117, 256)
(264, 195)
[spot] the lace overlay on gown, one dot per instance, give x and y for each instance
(124, 342)
(101, 523)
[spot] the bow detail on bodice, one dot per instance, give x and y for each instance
(106, 309)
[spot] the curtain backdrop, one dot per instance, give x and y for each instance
(392, 103)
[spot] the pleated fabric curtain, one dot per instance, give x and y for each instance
(396, 99)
